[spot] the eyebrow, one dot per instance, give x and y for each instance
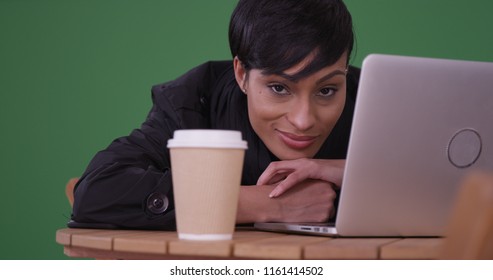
(294, 79)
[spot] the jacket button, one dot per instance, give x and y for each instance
(157, 203)
(203, 100)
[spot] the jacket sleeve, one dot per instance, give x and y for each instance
(128, 185)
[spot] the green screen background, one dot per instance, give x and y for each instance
(74, 75)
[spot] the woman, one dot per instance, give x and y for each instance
(289, 90)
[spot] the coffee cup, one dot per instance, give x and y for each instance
(206, 168)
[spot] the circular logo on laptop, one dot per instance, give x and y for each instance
(464, 148)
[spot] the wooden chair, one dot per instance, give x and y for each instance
(470, 230)
(69, 190)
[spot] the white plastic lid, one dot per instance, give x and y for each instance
(207, 138)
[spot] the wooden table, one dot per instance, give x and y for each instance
(246, 244)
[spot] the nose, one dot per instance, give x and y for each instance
(302, 115)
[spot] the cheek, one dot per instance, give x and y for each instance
(261, 109)
(329, 115)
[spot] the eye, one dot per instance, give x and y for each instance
(327, 92)
(278, 89)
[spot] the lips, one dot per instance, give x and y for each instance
(297, 142)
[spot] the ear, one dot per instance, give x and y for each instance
(240, 74)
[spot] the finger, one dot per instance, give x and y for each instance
(278, 167)
(291, 180)
(272, 174)
(276, 179)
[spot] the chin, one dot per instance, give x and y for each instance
(291, 155)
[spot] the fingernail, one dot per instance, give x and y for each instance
(273, 194)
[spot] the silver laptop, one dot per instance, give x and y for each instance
(420, 125)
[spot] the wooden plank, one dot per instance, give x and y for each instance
(279, 247)
(99, 240)
(200, 248)
(64, 236)
(347, 248)
(79, 252)
(412, 248)
(256, 234)
(221, 249)
(154, 242)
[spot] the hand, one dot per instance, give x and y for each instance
(288, 173)
(310, 201)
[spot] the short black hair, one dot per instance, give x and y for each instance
(274, 35)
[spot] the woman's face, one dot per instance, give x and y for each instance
(294, 117)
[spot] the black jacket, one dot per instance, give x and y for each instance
(128, 185)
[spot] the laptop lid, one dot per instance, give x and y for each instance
(420, 125)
